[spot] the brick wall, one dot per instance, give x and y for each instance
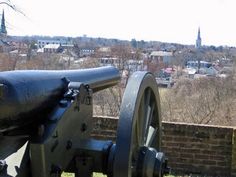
(191, 149)
(105, 128)
(233, 166)
(198, 149)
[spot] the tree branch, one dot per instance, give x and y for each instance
(13, 7)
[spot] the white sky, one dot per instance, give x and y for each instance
(160, 20)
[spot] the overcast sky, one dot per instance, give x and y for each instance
(160, 20)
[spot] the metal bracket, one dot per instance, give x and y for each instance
(53, 147)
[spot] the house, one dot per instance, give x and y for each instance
(84, 52)
(200, 64)
(211, 71)
(4, 46)
(164, 77)
(158, 60)
(104, 52)
(129, 65)
(51, 48)
(21, 46)
(43, 42)
(108, 61)
(162, 56)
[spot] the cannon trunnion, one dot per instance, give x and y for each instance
(52, 111)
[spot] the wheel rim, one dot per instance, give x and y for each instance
(139, 123)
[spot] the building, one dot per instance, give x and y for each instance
(85, 52)
(104, 52)
(158, 60)
(162, 56)
(4, 46)
(196, 64)
(43, 42)
(199, 40)
(51, 48)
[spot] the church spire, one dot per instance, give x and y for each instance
(3, 26)
(199, 40)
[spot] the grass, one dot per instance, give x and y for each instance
(100, 175)
(72, 175)
(67, 174)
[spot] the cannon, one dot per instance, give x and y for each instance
(48, 114)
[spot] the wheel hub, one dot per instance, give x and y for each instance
(150, 163)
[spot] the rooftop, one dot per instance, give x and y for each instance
(161, 53)
(52, 46)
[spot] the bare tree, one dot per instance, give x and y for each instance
(202, 101)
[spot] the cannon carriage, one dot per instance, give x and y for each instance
(50, 113)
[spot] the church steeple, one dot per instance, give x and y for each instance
(199, 40)
(3, 30)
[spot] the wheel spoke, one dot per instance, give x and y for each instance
(145, 106)
(141, 122)
(152, 132)
(147, 96)
(149, 119)
(156, 139)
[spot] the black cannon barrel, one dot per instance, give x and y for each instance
(26, 94)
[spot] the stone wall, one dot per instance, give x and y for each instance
(191, 149)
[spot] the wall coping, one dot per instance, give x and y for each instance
(200, 125)
(106, 117)
(177, 123)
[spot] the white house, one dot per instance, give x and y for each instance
(51, 48)
(43, 42)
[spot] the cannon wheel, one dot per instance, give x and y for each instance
(139, 123)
